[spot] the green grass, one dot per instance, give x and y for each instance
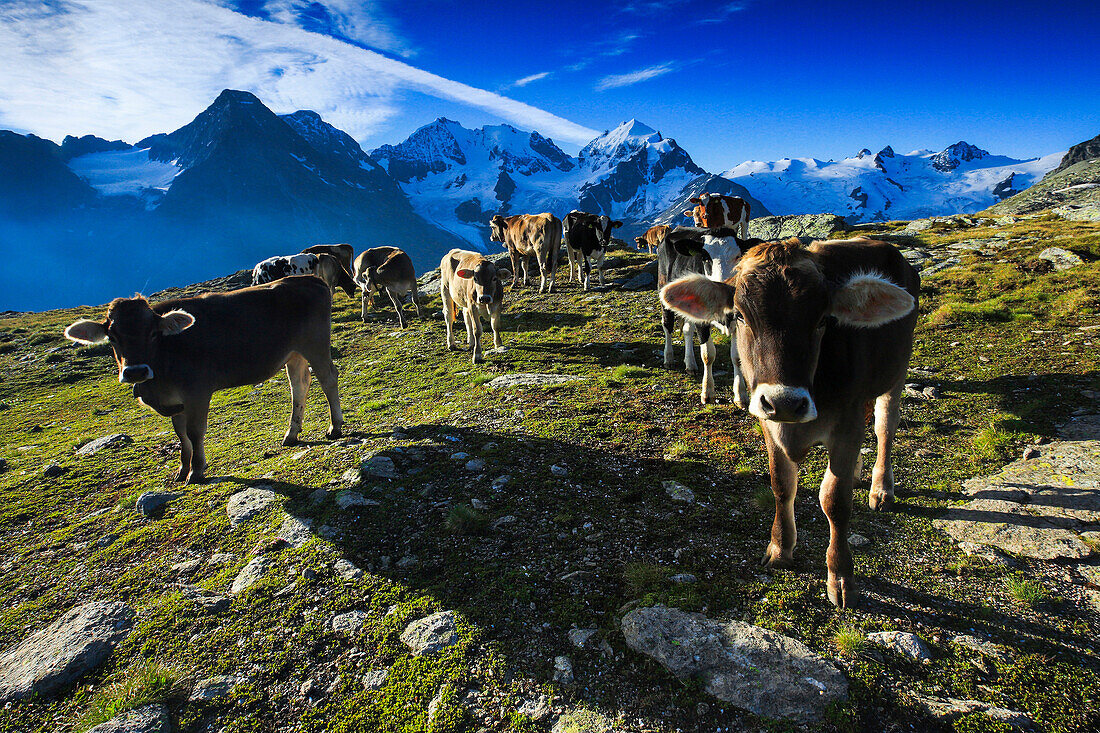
(849, 641)
(142, 684)
(627, 371)
(1027, 592)
(463, 519)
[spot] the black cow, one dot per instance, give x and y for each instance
(587, 236)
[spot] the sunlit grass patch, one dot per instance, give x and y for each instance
(142, 684)
(849, 642)
(1026, 591)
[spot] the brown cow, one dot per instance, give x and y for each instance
(715, 210)
(471, 282)
(389, 269)
(530, 235)
(179, 352)
(821, 331)
(652, 237)
(342, 252)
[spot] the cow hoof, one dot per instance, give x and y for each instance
(774, 557)
(334, 433)
(478, 359)
(842, 592)
(181, 474)
(879, 502)
(290, 440)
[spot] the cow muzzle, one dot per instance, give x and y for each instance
(485, 299)
(781, 403)
(135, 374)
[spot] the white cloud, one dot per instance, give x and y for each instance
(624, 80)
(123, 69)
(528, 79)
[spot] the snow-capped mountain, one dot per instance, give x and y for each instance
(459, 178)
(886, 185)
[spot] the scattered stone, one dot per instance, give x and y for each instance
(186, 567)
(576, 576)
(349, 499)
(220, 558)
(431, 633)
(1060, 258)
(580, 637)
(378, 466)
(475, 465)
(949, 708)
(858, 540)
(581, 720)
(256, 568)
(535, 708)
(683, 578)
(350, 623)
(459, 456)
(500, 481)
(374, 679)
(501, 521)
(563, 670)
(319, 496)
(903, 643)
(559, 470)
(766, 673)
(153, 503)
(407, 562)
(641, 281)
(107, 441)
(52, 470)
(208, 600)
(678, 492)
(434, 705)
(974, 644)
(53, 657)
(248, 503)
(1031, 452)
(213, 689)
(478, 504)
(352, 476)
(506, 381)
(296, 531)
(347, 570)
(146, 719)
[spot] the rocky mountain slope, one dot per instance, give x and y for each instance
(1072, 189)
(491, 549)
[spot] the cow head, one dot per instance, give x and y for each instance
(134, 331)
(641, 242)
(496, 228)
(603, 226)
(781, 303)
(485, 280)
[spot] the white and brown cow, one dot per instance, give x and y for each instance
(178, 353)
(342, 252)
(652, 237)
(587, 237)
(714, 210)
(526, 236)
(470, 282)
(325, 266)
(389, 269)
(822, 331)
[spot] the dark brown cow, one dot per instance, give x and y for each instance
(715, 210)
(821, 331)
(389, 269)
(342, 252)
(530, 235)
(471, 282)
(179, 352)
(652, 237)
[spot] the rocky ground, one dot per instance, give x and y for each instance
(562, 538)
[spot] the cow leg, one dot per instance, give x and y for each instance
(326, 374)
(569, 258)
(473, 329)
(297, 373)
(784, 477)
(366, 304)
(600, 264)
(668, 324)
(836, 502)
(690, 363)
(197, 415)
(179, 424)
(887, 409)
(587, 270)
(398, 306)
(449, 317)
(416, 298)
(516, 262)
(544, 267)
(707, 351)
(494, 321)
(740, 386)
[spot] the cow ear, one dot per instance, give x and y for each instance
(465, 273)
(698, 299)
(616, 224)
(176, 321)
(86, 332)
(688, 247)
(869, 300)
(695, 200)
(689, 213)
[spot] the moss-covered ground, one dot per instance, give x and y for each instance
(1008, 345)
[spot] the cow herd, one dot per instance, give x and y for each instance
(820, 337)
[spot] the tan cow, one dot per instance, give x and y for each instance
(652, 237)
(179, 352)
(389, 269)
(530, 235)
(714, 210)
(470, 282)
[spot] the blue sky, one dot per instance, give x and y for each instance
(731, 81)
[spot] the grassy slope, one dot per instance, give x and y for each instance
(1011, 363)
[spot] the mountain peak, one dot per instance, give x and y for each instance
(235, 96)
(953, 156)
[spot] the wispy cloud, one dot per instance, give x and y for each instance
(723, 13)
(117, 68)
(615, 81)
(534, 77)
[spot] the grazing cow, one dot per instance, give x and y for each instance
(179, 352)
(530, 235)
(324, 266)
(822, 330)
(713, 253)
(587, 236)
(715, 210)
(342, 252)
(471, 282)
(652, 237)
(389, 269)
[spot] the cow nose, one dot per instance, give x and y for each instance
(780, 403)
(136, 374)
(485, 299)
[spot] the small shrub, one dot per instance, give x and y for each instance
(1026, 591)
(142, 684)
(628, 371)
(677, 449)
(463, 519)
(641, 577)
(993, 442)
(480, 379)
(849, 642)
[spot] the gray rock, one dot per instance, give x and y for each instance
(501, 521)
(984, 648)
(903, 643)
(678, 492)
(107, 441)
(347, 570)
(683, 578)
(349, 499)
(815, 226)
(352, 476)
(764, 672)
(378, 466)
(641, 281)
(580, 637)
(535, 708)
(1060, 258)
(407, 562)
(563, 670)
(146, 719)
(560, 471)
(153, 503)
(991, 555)
(375, 679)
(506, 381)
(350, 623)
(213, 689)
(186, 567)
(858, 540)
(949, 708)
(475, 465)
(319, 496)
(256, 569)
(207, 600)
(296, 531)
(77, 642)
(432, 633)
(248, 503)
(221, 558)
(434, 706)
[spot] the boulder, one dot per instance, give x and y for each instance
(764, 672)
(1060, 258)
(256, 568)
(248, 503)
(432, 633)
(296, 531)
(53, 657)
(153, 503)
(814, 226)
(903, 643)
(107, 441)
(213, 689)
(146, 719)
